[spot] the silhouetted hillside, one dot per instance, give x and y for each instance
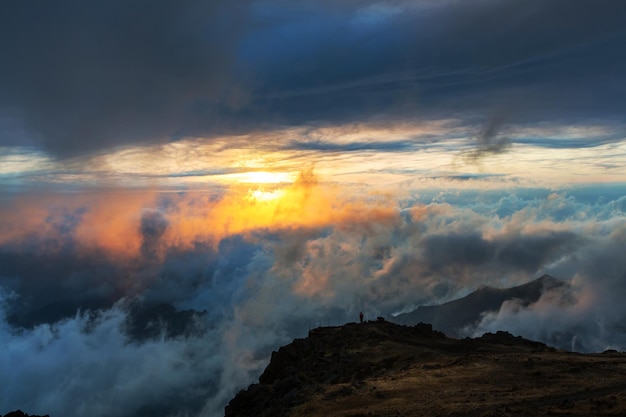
(152, 321)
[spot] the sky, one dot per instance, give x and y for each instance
(269, 165)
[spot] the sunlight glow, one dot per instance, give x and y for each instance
(265, 177)
(262, 195)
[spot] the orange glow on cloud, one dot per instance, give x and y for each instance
(301, 204)
(109, 222)
(112, 225)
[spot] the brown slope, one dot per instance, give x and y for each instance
(382, 369)
(455, 315)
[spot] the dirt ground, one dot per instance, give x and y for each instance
(380, 369)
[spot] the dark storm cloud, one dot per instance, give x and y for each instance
(470, 57)
(517, 251)
(78, 77)
(81, 76)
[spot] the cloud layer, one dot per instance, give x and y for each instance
(315, 257)
(81, 78)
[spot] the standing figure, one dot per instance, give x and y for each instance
(361, 316)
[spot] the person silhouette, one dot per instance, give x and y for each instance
(361, 316)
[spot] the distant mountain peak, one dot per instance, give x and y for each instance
(455, 315)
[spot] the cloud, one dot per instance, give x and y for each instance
(85, 78)
(152, 227)
(399, 146)
(588, 317)
(489, 140)
(342, 82)
(85, 365)
(524, 252)
(454, 57)
(264, 270)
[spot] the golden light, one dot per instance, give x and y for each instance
(265, 177)
(262, 195)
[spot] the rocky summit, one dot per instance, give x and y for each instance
(383, 369)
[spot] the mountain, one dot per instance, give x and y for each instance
(383, 369)
(152, 321)
(455, 315)
(20, 413)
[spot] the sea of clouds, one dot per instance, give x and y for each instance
(316, 258)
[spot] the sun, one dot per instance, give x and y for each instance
(262, 195)
(265, 177)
